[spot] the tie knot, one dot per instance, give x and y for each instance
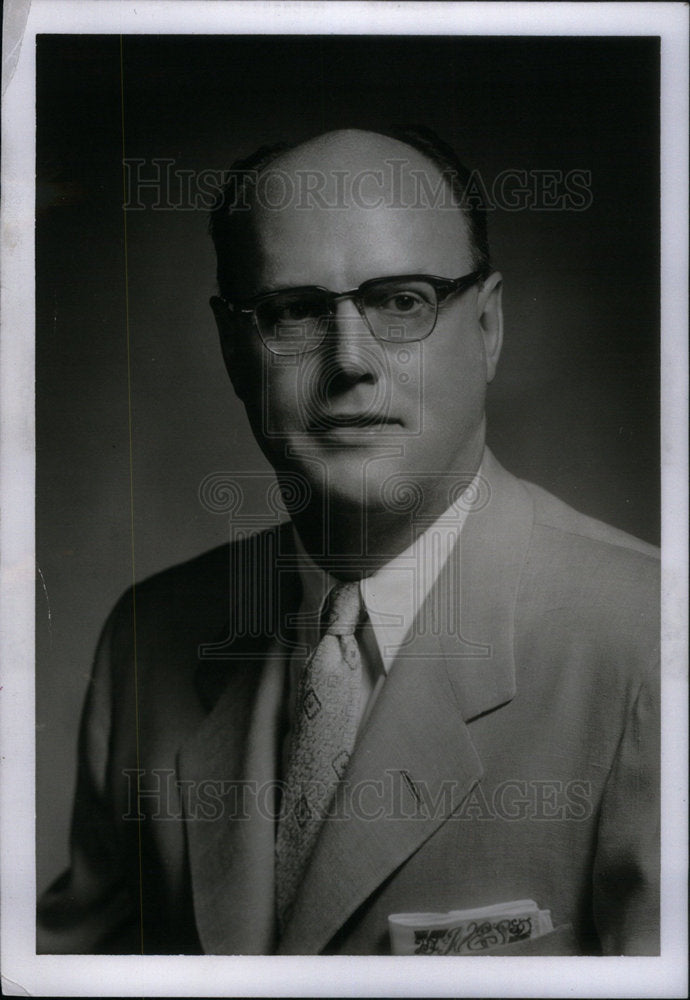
(343, 609)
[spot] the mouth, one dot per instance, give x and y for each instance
(329, 421)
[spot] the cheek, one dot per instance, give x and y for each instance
(273, 401)
(454, 381)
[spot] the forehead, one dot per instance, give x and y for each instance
(351, 206)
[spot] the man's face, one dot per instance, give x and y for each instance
(360, 417)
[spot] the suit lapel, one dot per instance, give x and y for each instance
(413, 765)
(229, 768)
(483, 579)
(415, 762)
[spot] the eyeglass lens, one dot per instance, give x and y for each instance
(295, 322)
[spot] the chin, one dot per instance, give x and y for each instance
(345, 480)
(381, 488)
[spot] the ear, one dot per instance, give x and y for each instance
(490, 318)
(229, 333)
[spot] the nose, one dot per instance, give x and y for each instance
(352, 348)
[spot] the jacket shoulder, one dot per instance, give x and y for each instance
(206, 580)
(552, 514)
(195, 599)
(592, 586)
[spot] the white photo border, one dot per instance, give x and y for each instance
(24, 972)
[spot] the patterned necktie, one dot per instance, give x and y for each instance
(325, 730)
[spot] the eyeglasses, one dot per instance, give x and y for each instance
(400, 309)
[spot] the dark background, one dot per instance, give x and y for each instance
(574, 407)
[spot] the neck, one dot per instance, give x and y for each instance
(351, 541)
(351, 544)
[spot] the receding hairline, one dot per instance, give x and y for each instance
(309, 155)
(417, 142)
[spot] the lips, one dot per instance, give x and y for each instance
(329, 420)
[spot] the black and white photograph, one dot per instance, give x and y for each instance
(351, 509)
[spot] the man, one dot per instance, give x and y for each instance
(434, 689)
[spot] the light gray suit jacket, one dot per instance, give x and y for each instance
(512, 753)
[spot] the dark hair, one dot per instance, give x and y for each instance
(234, 197)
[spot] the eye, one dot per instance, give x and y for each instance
(289, 310)
(294, 310)
(299, 309)
(400, 298)
(402, 302)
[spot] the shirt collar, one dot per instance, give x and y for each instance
(394, 594)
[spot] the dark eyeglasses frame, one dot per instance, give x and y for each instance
(444, 288)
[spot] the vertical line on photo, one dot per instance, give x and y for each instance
(323, 87)
(131, 482)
